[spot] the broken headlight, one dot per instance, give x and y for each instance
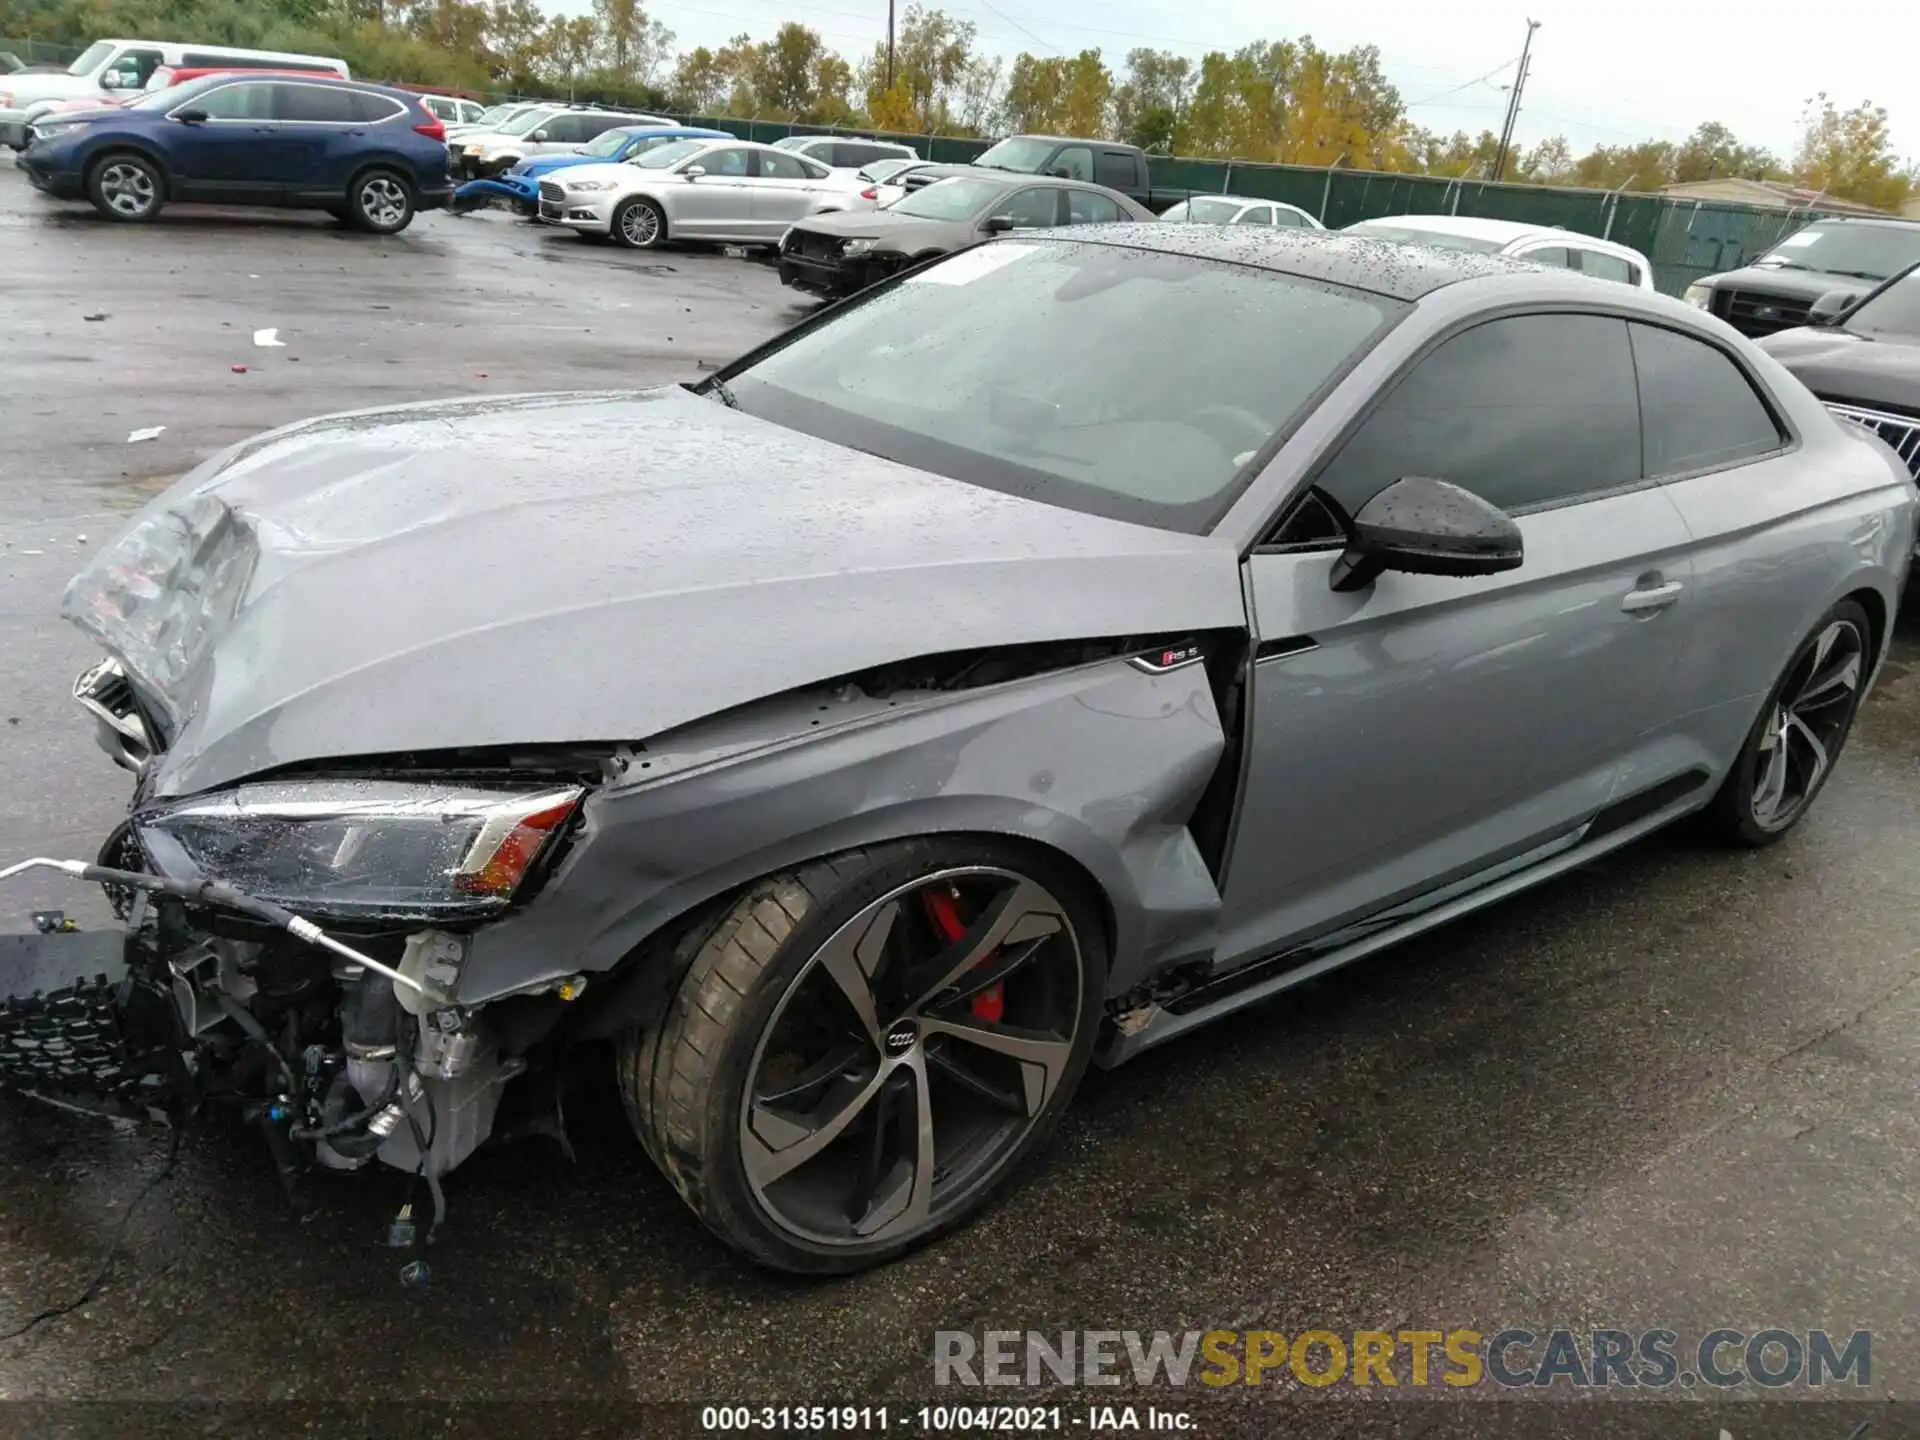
(373, 848)
(161, 593)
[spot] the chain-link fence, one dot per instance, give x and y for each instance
(37, 52)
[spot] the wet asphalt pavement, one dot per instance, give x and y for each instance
(1674, 1090)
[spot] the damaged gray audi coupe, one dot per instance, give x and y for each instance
(1058, 647)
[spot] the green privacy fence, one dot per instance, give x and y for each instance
(1685, 239)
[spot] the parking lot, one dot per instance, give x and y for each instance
(1673, 1090)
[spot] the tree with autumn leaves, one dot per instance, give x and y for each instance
(1287, 101)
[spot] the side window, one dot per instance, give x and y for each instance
(1084, 207)
(235, 102)
(1255, 215)
(371, 109)
(732, 163)
(1555, 255)
(1289, 219)
(314, 104)
(1115, 169)
(782, 165)
(1035, 209)
(1531, 410)
(1075, 162)
(439, 107)
(1699, 408)
(1607, 267)
(133, 67)
(562, 130)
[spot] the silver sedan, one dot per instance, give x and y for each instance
(727, 190)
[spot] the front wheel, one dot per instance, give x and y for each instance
(380, 201)
(639, 224)
(127, 188)
(1792, 748)
(864, 1050)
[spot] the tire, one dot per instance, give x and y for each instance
(380, 201)
(639, 224)
(127, 187)
(1791, 751)
(782, 1184)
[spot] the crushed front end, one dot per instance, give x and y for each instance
(290, 948)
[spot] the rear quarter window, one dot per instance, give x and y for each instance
(1698, 409)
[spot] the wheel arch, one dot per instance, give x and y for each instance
(1102, 766)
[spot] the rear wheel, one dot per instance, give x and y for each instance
(1792, 748)
(864, 1050)
(380, 201)
(126, 187)
(639, 224)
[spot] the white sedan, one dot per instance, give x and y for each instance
(1542, 244)
(728, 190)
(1241, 210)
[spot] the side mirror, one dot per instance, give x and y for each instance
(112, 81)
(1427, 527)
(1831, 306)
(538, 137)
(694, 172)
(192, 117)
(998, 224)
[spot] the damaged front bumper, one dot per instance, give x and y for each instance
(343, 1053)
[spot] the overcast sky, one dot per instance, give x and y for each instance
(1604, 71)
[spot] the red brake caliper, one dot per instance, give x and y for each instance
(990, 1005)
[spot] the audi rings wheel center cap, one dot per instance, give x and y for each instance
(901, 1037)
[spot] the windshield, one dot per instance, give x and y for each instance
(881, 170)
(1205, 212)
(521, 124)
(90, 58)
(1018, 366)
(494, 115)
(607, 143)
(794, 142)
(1894, 311)
(1439, 240)
(662, 157)
(1021, 152)
(177, 94)
(1863, 252)
(953, 199)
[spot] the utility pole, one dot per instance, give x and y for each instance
(889, 44)
(1513, 101)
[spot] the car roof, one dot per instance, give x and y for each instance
(1472, 226)
(1385, 267)
(1879, 222)
(1077, 140)
(685, 132)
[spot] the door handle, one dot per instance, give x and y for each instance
(1656, 597)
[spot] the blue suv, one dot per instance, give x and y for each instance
(367, 155)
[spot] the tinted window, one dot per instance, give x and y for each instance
(1115, 169)
(560, 130)
(314, 103)
(1607, 267)
(1255, 215)
(1075, 163)
(780, 165)
(1086, 208)
(1526, 411)
(1031, 209)
(371, 109)
(235, 102)
(1699, 408)
(1019, 366)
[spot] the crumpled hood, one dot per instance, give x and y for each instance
(893, 230)
(1839, 365)
(601, 567)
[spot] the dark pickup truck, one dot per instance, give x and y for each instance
(1812, 275)
(1097, 162)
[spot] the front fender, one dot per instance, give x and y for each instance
(1103, 763)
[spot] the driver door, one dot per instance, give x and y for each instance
(1409, 736)
(719, 204)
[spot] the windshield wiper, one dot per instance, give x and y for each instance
(717, 386)
(1780, 265)
(1857, 274)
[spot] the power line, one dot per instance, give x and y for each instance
(1466, 85)
(1021, 28)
